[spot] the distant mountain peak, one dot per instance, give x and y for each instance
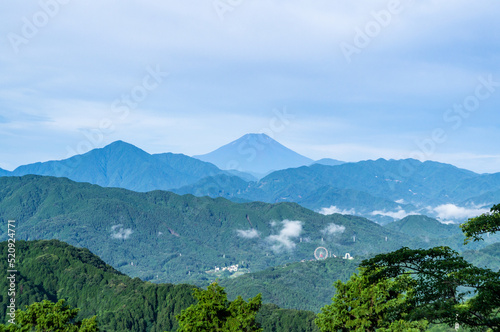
(254, 139)
(329, 162)
(258, 154)
(121, 164)
(256, 135)
(120, 144)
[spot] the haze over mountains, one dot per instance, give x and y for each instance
(258, 154)
(381, 190)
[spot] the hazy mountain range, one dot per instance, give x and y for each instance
(382, 190)
(120, 164)
(163, 236)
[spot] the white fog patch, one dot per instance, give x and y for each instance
(333, 209)
(247, 233)
(332, 229)
(291, 229)
(118, 232)
(400, 201)
(399, 214)
(452, 211)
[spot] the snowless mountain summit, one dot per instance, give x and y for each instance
(255, 153)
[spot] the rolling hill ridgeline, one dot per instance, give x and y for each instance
(380, 190)
(165, 237)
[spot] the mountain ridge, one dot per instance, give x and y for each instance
(381, 190)
(162, 233)
(423, 226)
(124, 165)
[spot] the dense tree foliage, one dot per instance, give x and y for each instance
(445, 285)
(360, 305)
(448, 288)
(213, 312)
(274, 319)
(49, 316)
(476, 227)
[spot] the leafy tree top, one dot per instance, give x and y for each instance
(485, 223)
(448, 288)
(214, 312)
(49, 316)
(361, 305)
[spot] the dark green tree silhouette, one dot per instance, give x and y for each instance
(448, 289)
(475, 227)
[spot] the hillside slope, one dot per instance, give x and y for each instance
(425, 227)
(165, 237)
(304, 285)
(55, 270)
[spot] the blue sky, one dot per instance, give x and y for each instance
(349, 80)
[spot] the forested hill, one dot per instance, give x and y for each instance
(165, 237)
(55, 270)
(303, 285)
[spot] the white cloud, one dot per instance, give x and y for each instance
(118, 232)
(248, 233)
(399, 214)
(447, 222)
(332, 229)
(400, 201)
(291, 229)
(333, 209)
(452, 211)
